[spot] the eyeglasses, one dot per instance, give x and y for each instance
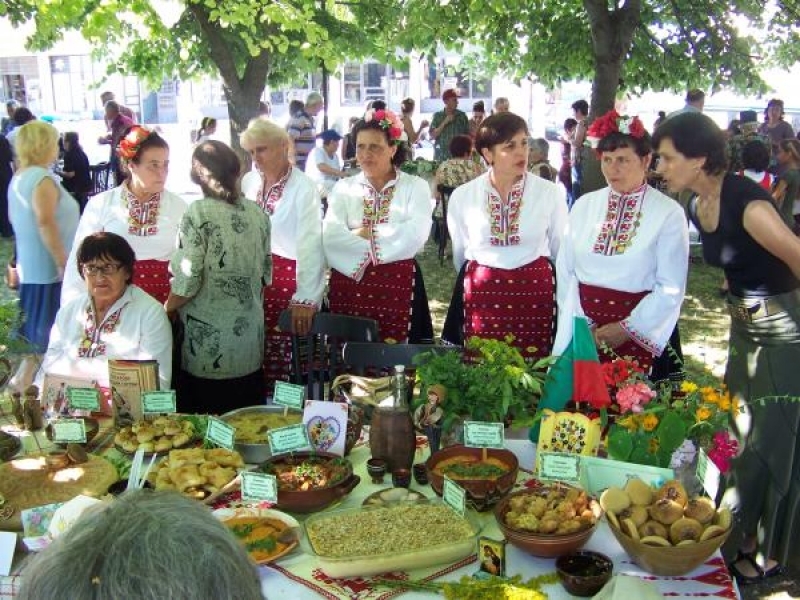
(106, 269)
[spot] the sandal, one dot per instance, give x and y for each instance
(761, 574)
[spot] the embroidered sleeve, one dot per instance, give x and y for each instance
(345, 251)
(310, 255)
(407, 222)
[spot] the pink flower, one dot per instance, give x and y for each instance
(632, 397)
(724, 449)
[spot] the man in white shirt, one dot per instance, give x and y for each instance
(324, 166)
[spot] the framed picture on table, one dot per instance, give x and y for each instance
(54, 399)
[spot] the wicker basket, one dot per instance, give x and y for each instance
(668, 560)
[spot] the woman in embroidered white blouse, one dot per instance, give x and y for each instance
(140, 210)
(111, 319)
(624, 259)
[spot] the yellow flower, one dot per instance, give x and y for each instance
(688, 387)
(734, 404)
(710, 395)
(725, 401)
(702, 413)
(628, 423)
(649, 422)
(653, 445)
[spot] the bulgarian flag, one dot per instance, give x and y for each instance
(576, 375)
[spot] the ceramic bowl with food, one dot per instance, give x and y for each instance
(266, 534)
(91, 425)
(485, 481)
(584, 573)
(548, 521)
(310, 481)
(252, 424)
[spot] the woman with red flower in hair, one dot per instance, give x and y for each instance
(140, 210)
(376, 223)
(624, 258)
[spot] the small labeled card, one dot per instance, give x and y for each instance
(83, 398)
(220, 433)
(259, 487)
(326, 423)
(554, 466)
(493, 556)
(67, 431)
(289, 395)
(8, 542)
(288, 439)
(482, 434)
(708, 473)
(454, 496)
(160, 402)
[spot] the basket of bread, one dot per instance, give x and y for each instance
(663, 530)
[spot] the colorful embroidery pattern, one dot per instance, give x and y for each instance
(142, 216)
(622, 221)
(376, 205)
(504, 215)
(91, 344)
(268, 198)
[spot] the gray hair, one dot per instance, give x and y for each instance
(540, 145)
(314, 98)
(144, 545)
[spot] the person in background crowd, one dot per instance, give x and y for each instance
(118, 124)
(446, 125)
(742, 232)
(220, 269)
(462, 167)
(478, 114)
(407, 110)
(349, 144)
(302, 129)
(21, 116)
(787, 188)
(291, 200)
(107, 97)
(295, 108)
(624, 259)
(376, 223)
(6, 173)
(375, 105)
(140, 210)
(501, 105)
(44, 217)
(661, 116)
(565, 172)
(264, 109)
(138, 548)
(580, 110)
(324, 167)
(695, 102)
(776, 129)
(748, 132)
(208, 127)
(7, 123)
(506, 228)
(734, 128)
(755, 161)
(75, 175)
(538, 159)
(112, 318)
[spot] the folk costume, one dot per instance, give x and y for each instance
(504, 250)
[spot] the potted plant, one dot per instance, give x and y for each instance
(9, 343)
(492, 381)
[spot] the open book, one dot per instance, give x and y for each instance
(128, 379)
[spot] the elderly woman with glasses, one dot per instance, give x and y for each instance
(140, 210)
(111, 319)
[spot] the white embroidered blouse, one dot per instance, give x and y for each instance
(506, 233)
(399, 216)
(628, 242)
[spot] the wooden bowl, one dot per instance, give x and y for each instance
(312, 500)
(668, 560)
(540, 544)
(482, 494)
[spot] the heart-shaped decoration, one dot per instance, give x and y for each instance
(323, 432)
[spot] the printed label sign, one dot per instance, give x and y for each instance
(259, 487)
(290, 395)
(708, 473)
(81, 398)
(288, 439)
(480, 434)
(554, 466)
(67, 431)
(158, 402)
(454, 496)
(220, 433)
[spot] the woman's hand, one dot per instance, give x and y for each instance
(362, 232)
(302, 318)
(611, 335)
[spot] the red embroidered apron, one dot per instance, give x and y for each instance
(385, 293)
(518, 301)
(153, 277)
(278, 345)
(603, 306)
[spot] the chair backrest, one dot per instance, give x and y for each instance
(100, 174)
(317, 357)
(360, 356)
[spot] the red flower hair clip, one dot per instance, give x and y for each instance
(388, 121)
(128, 146)
(613, 122)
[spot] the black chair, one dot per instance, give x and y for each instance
(317, 357)
(444, 192)
(360, 356)
(101, 175)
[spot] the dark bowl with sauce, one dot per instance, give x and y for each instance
(584, 573)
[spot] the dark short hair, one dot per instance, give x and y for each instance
(105, 244)
(407, 105)
(377, 105)
(296, 107)
(695, 135)
(460, 146)
(498, 129)
(479, 106)
(373, 125)
(153, 140)
(616, 140)
(22, 115)
(582, 106)
(72, 138)
(755, 155)
(570, 124)
(773, 102)
(695, 95)
(216, 169)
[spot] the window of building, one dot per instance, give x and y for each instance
(362, 82)
(442, 76)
